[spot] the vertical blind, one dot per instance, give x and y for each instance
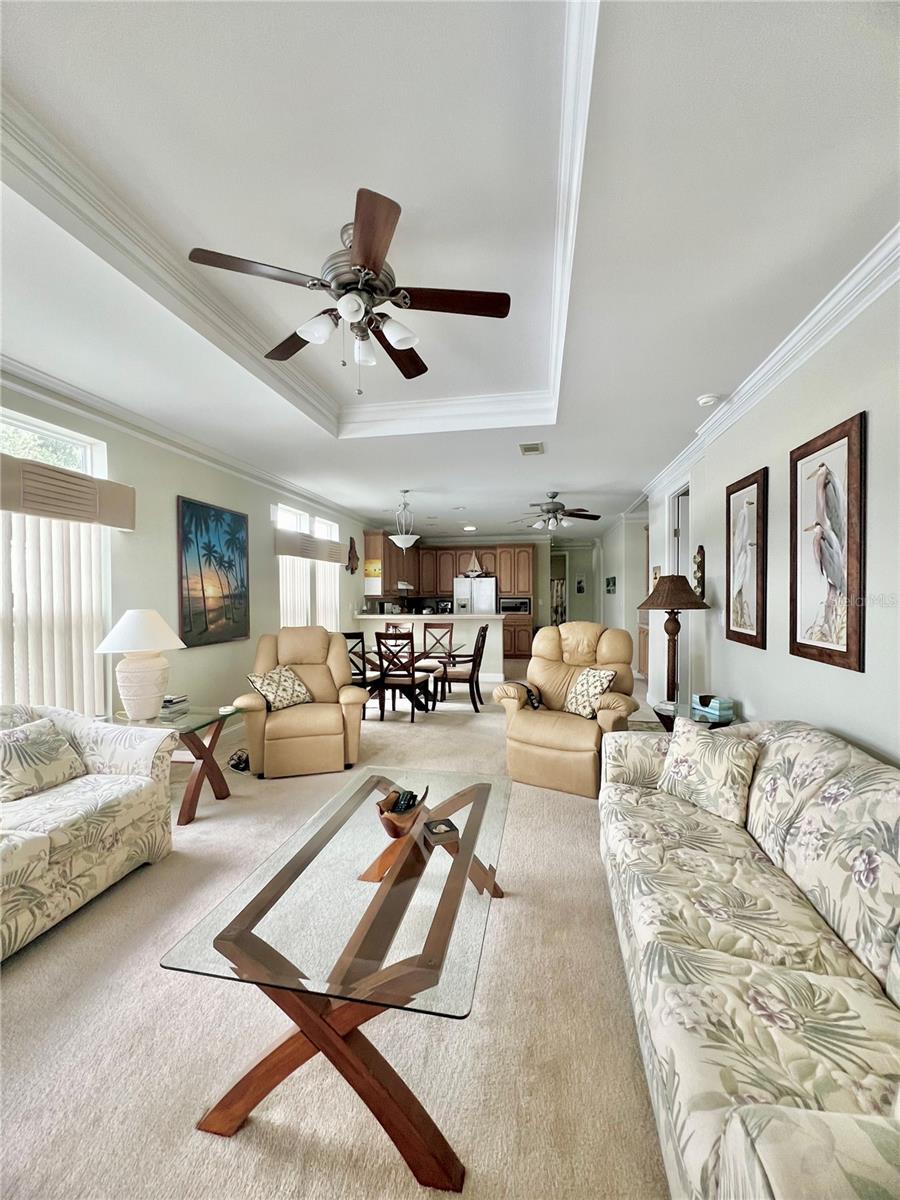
(328, 580)
(52, 588)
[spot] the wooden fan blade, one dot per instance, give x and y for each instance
(410, 365)
(470, 304)
(212, 258)
(373, 227)
(580, 513)
(288, 348)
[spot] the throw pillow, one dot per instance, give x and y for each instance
(281, 688)
(35, 757)
(711, 770)
(583, 697)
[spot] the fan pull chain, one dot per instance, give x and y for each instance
(343, 343)
(358, 381)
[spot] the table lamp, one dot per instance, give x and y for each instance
(672, 594)
(141, 676)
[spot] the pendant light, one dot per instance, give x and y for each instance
(404, 537)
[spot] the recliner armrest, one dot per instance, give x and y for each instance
(250, 702)
(351, 694)
(618, 702)
(514, 693)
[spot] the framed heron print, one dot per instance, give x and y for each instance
(827, 551)
(746, 555)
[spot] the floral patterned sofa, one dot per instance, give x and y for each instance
(62, 846)
(764, 966)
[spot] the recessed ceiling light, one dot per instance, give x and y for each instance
(459, 508)
(708, 399)
(469, 528)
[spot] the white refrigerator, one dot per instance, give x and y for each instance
(474, 595)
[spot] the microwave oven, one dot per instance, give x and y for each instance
(522, 605)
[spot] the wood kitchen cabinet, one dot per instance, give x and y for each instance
(427, 571)
(518, 634)
(506, 571)
(446, 570)
(487, 556)
(524, 565)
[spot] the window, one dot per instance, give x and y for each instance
(328, 580)
(304, 591)
(54, 579)
(293, 573)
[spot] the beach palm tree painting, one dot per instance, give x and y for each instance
(827, 508)
(746, 503)
(214, 577)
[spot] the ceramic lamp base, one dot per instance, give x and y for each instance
(141, 678)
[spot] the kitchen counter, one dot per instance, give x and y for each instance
(465, 623)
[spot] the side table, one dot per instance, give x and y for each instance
(666, 714)
(199, 730)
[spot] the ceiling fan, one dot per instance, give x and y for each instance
(360, 280)
(553, 513)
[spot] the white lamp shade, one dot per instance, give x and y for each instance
(318, 329)
(399, 335)
(363, 353)
(140, 629)
(539, 524)
(404, 540)
(352, 307)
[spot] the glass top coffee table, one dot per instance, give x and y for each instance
(343, 922)
(198, 730)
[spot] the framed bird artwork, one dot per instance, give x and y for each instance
(827, 550)
(746, 556)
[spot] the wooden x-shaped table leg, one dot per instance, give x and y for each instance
(205, 767)
(331, 1028)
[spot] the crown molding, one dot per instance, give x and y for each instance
(579, 55)
(24, 380)
(860, 287)
(38, 166)
(44, 172)
(443, 416)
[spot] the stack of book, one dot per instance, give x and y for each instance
(717, 708)
(174, 706)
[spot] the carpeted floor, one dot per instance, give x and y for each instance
(108, 1060)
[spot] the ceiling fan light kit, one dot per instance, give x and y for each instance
(359, 279)
(555, 514)
(319, 328)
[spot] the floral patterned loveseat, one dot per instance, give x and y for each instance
(764, 966)
(62, 846)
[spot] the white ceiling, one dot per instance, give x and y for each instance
(740, 159)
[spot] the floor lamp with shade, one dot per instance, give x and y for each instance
(141, 676)
(672, 594)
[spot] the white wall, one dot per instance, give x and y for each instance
(145, 563)
(858, 369)
(624, 557)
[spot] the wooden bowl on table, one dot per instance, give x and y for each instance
(398, 824)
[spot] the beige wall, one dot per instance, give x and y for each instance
(624, 557)
(858, 369)
(145, 563)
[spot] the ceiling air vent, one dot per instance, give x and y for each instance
(529, 448)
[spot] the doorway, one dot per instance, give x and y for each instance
(681, 565)
(558, 579)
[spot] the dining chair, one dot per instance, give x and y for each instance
(397, 670)
(465, 668)
(362, 673)
(437, 646)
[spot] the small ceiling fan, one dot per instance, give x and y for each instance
(553, 513)
(360, 280)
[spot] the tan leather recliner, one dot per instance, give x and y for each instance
(555, 749)
(305, 739)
